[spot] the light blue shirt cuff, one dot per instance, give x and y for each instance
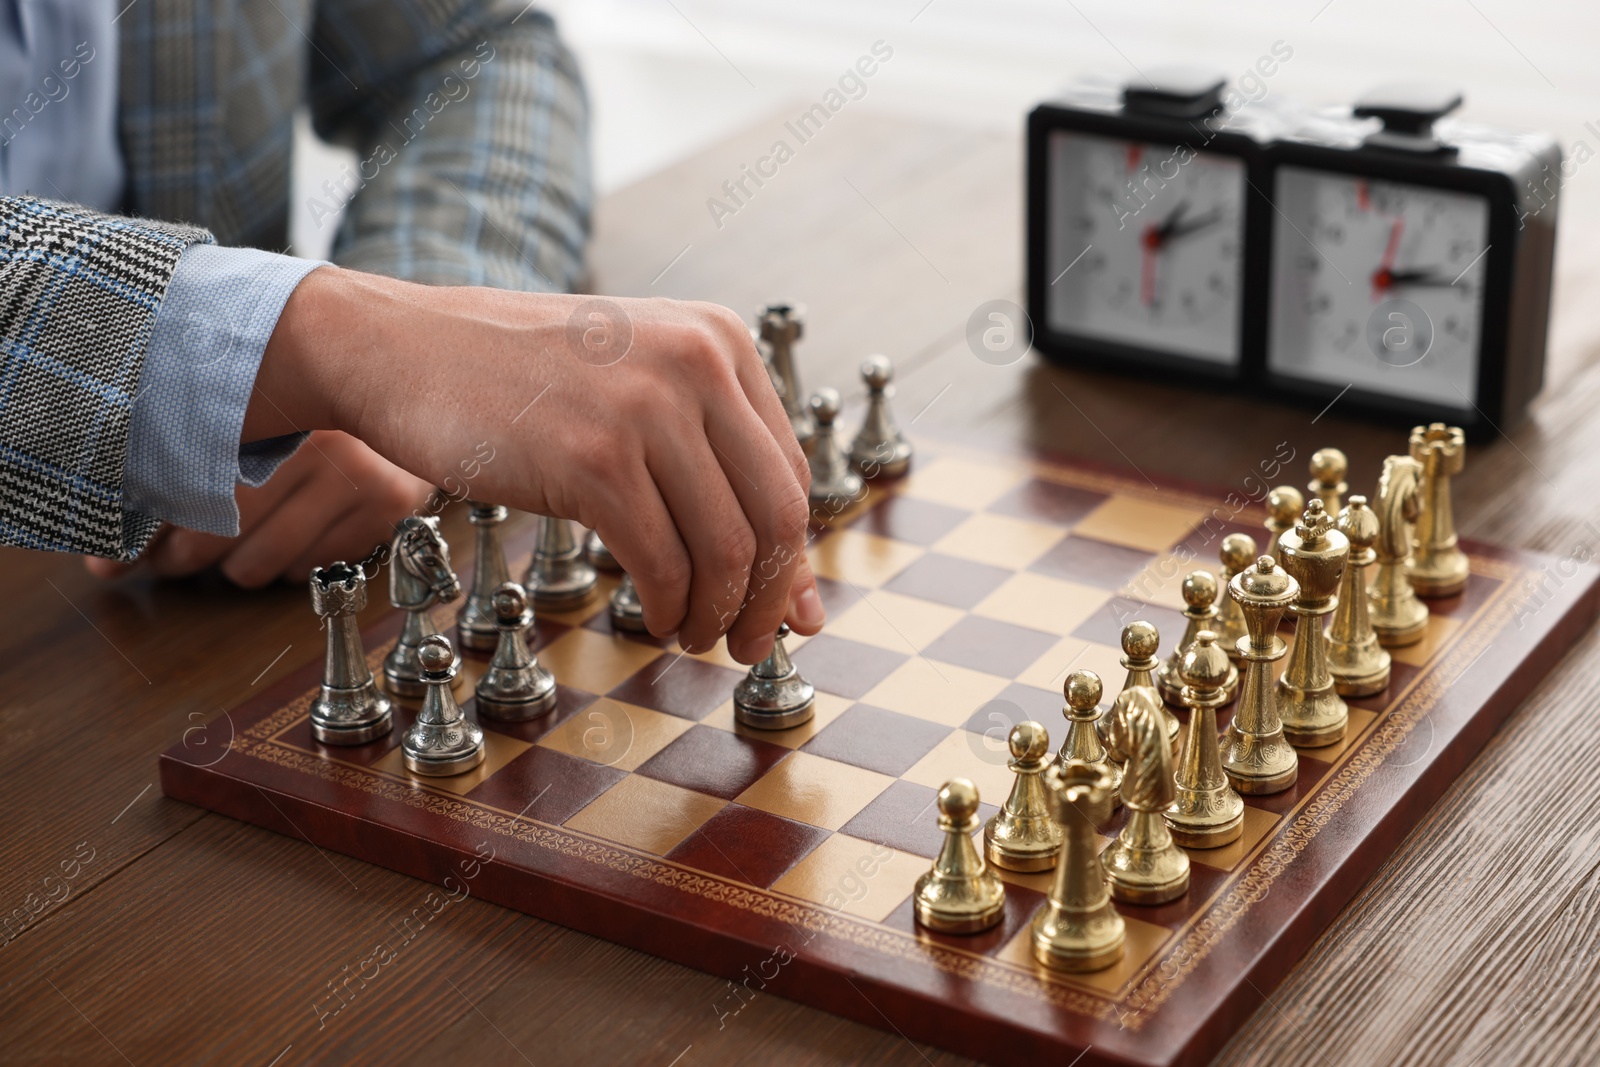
(184, 455)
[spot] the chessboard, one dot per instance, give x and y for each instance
(959, 597)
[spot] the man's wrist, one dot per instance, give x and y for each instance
(304, 382)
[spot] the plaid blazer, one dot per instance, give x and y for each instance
(469, 121)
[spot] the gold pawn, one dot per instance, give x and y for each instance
(1255, 756)
(1314, 555)
(1140, 642)
(1205, 811)
(1143, 864)
(1237, 552)
(1328, 468)
(1359, 665)
(960, 894)
(1398, 617)
(1082, 691)
(1284, 506)
(1022, 836)
(1200, 594)
(1078, 929)
(1438, 566)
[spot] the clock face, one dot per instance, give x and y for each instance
(1379, 285)
(1146, 245)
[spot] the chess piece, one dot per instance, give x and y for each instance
(599, 555)
(1314, 555)
(475, 626)
(1082, 691)
(1237, 552)
(879, 450)
(1328, 468)
(1255, 756)
(514, 688)
(627, 613)
(1078, 929)
(1206, 812)
(1398, 617)
(781, 325)
(833, 483)
(773, 696)
(1284, 507)
(1200, 594)
(1438, 566)
(1358, 663)
(419, 577)
(348, 709)
(1022, 836)
(559, 578)
(960, 894)
(1140, 641)
(1143, 865)
(443, 741)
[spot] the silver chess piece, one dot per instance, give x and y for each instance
(559, 578)
(879, 450)
(443, 741)
(475, 626)
(419, 577)
(780, 326)
(773, 696)
(833, 483)
(349, 709)
(515, 687)
(627, 612)
(599, 555)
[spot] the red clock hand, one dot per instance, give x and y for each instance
(1383, 277)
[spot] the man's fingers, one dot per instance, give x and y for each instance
(636, 526)
(268, 549)
(186, 552)
(806, 613)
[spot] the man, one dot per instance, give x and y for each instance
(150, 374)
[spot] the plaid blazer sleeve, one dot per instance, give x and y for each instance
(470, 123)
(78, 294)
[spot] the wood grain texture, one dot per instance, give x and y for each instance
(191, 938)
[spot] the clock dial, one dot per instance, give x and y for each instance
(1146, 245)
(1378, 284)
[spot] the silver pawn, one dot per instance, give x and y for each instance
(773, 696)
(599, 554)
(419, 577)
(781, 325)
(627, 613)
(348, 710)
(443, 741)
(880, 450)
(515, 687)
(475, 626)
(559, 578)
(833, 483)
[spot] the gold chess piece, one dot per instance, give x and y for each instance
(1237, 553)
(1206, 812)
(1143, 864)
(1438, 566)
(1328, 468)
(960, 894)
(1200, 594)
(1360, 666)
(1022, 836)
(1255, 756)
(1140, 642)
(1398, 617)
(1314, 554)
(1285, 505)
(1078, 929)
(1082, 691)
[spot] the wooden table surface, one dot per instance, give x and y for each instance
(186, 937)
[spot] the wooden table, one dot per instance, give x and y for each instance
(187, 937)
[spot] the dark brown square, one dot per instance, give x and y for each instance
(836, 595)
(879, 740)
(545, 785)
(1104, 627)
(1021, 905)
(960, 583)
(845, 668)
(568, 703)
(753, 846)
(991, 646)
(600, 622)
(1203, 882)
(905, 817)
(680, 685)
(1312, 773)
(904, 518)
(299, 736)
(1090, 562)
(714, 762)
(1018, 703)
(1047, 502)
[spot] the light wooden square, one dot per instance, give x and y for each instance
(963, 754)
(857, 877)
(646, 814)
(828, 708)
(498, 750)
(594, 661)
(1042, 603)
(614, 734)
(814, 790)
(963, 483)
(1141, 524)
(1257, 824)
(999, 540)
(939, 692)
(861, 559)
(898, 623)
(1142, 942)
(1441, 631)
(1050, 670)
(1161, 580)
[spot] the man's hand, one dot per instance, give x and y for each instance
(653, 422)
(334, 499)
